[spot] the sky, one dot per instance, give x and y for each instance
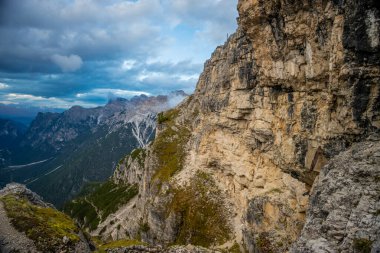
(60, 53)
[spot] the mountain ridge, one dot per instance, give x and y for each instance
(87, 143)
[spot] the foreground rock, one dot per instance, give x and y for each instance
(30, 225)
(344, 213)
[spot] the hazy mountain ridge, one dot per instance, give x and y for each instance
(81, 145)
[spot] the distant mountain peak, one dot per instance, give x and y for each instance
(178, 93)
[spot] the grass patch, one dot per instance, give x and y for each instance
(203, 220)
(139, 155)
(234, 248)
(106, 199)
(363, 245)
(45, 226)
(275, 190)
(117, 244)
(169, 147)
(263, 243)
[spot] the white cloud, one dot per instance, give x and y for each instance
(4, 102)
(187, 78)
(128, 65)
(3, 86)
(106, 93)
(67, 63)
(150, 75)
(115, 39)
(39, 101)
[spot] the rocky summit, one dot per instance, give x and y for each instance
(277, 150)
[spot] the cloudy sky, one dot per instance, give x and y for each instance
(57, 53)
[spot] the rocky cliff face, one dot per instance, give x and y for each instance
(276, 105)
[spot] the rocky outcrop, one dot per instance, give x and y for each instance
(294, 87)
(28, 224)
(21, 190)
(344, 213)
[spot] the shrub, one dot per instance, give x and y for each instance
(362, 245)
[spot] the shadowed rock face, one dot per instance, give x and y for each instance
(344, 206)
(293, 88)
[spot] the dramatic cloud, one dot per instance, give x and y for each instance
(43, 102)
(59, 49)
(67, 63)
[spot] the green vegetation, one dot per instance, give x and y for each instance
(263, 244)
(104, 200)
(45, 226)
(363, 245)
(103, 247)
(161, 118)
(83, 212)
(169, 147)
(202, 214)
(140, 155)
(89, 188)
(121, 243)
(234, 249)
(95, 156)
(274, 190)
(144, 227)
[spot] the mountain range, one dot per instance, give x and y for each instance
(60, 152)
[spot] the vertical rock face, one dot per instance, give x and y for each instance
(345, 207)
(295, 86)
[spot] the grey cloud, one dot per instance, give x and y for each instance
(69, 63)
(80, 45)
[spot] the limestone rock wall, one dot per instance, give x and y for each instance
(295, 86)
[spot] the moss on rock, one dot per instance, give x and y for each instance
(169, 147)
(103, 247)
(203, 218)
(45, 226)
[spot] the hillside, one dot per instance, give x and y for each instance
(28, 224)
